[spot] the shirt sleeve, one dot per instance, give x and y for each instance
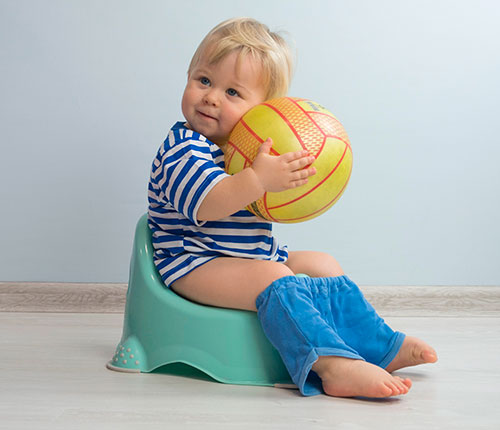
(189, 173)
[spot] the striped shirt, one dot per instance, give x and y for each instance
(187, 166)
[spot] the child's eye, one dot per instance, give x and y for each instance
(232, 92)
(205, 81)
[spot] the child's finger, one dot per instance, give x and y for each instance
(298, 183)
(292, 156)
(302, 177)
(301, 163)
(265, 148)
(303, 174)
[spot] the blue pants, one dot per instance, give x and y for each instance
(305, 318)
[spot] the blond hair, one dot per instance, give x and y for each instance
(249, 37)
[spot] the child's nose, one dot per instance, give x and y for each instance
(211, 98)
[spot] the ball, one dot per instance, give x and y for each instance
(294, 124)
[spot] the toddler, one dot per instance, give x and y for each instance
(210, 250)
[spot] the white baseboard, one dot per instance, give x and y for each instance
(452, 301)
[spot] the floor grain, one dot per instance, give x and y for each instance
(53, 376)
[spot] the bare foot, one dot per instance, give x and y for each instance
(413, 351)
(345, 377)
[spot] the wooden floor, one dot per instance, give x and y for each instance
(53, 376)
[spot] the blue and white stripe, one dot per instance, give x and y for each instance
(186, 168)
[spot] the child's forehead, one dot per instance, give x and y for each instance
(233, 63)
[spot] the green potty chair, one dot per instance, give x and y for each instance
(161, 328)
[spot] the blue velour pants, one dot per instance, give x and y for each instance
(305, 318)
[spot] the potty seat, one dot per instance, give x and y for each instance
(161, 328)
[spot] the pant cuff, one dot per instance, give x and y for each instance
(395, 346)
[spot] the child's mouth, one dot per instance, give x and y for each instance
(204, 115)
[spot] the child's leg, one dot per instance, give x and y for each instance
(362, 328)
(230, 282)
(356, 321)
(318, 264)
(306, 341)
(313, 263)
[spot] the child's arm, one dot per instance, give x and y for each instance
(267, 173)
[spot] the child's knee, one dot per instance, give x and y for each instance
(279, 270)
(314, 263)
(272, 271)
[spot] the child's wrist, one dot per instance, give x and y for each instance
(259, 186)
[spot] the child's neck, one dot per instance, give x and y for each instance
(222, 145)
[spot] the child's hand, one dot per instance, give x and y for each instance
(279, 173)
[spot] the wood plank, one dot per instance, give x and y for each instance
(62, 297)
(388, 300)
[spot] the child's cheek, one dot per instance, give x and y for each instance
(233, 115)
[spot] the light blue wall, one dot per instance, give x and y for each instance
(89, 90)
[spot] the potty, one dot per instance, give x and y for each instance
(161, 328)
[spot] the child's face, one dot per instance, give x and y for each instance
(218, 95)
